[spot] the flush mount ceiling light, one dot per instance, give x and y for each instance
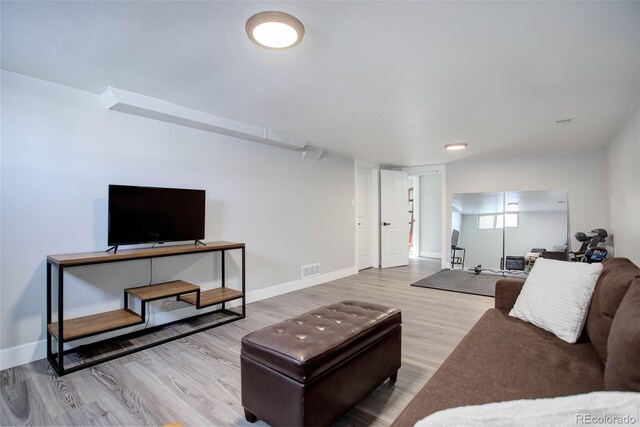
(456, 146)
(275, 30)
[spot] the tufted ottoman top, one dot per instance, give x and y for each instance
(308, 345)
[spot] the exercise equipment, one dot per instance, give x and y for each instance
(478, 269)
(593, 248)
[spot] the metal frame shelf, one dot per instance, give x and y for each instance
(118, 319)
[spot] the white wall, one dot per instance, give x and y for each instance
(60, 151)
(430, 200)
(482, 247)
(536, 230)
(581, 173)
(623, 187)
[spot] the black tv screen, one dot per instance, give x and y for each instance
(151, 214)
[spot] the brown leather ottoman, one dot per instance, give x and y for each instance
(311, 369)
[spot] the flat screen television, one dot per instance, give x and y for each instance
(152, 214)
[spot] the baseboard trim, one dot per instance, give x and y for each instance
(21, 354)
(30, 352)
(285, 288)
(431, 254)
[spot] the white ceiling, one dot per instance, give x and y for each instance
(388, 82)
(528, 201)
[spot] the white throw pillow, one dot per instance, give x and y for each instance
(556, 296)
(599, 408)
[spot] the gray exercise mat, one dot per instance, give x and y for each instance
(460, 281)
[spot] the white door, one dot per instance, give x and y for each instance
(364, 215)
(394, 218)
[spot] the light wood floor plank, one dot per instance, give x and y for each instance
(196, 380)
(21, 404)
(60, 393)
(90, 414)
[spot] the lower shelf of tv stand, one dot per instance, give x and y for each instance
(83, 356)
(163, 290)
(212, 297)
(81, 327)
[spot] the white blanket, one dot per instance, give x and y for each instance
(598, 408)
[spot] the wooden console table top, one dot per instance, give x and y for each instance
(69, 260)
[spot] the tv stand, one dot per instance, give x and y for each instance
(113, 248)
(201, 242)
(65, 330)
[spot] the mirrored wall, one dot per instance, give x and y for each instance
(508, 231)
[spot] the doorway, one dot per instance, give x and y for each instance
(428, 225)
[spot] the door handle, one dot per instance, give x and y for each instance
(386, 223)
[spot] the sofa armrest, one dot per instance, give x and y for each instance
(507, 292)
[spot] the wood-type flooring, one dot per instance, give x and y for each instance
(196, 380)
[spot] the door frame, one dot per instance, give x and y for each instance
(374, 199)
(416, 216)
(432, 170)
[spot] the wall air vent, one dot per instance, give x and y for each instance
(310, 270)
(563, 122)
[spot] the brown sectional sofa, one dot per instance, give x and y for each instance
(503, 358)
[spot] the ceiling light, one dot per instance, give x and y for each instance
(513, 206)
(275, 30)
(456, 146)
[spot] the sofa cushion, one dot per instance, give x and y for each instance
(507, 292)
(622, 371)
(503, 358)
(556, 297)
(617, 275)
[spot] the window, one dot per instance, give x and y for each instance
(491, 221)
(511, 220)
(486, 222)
